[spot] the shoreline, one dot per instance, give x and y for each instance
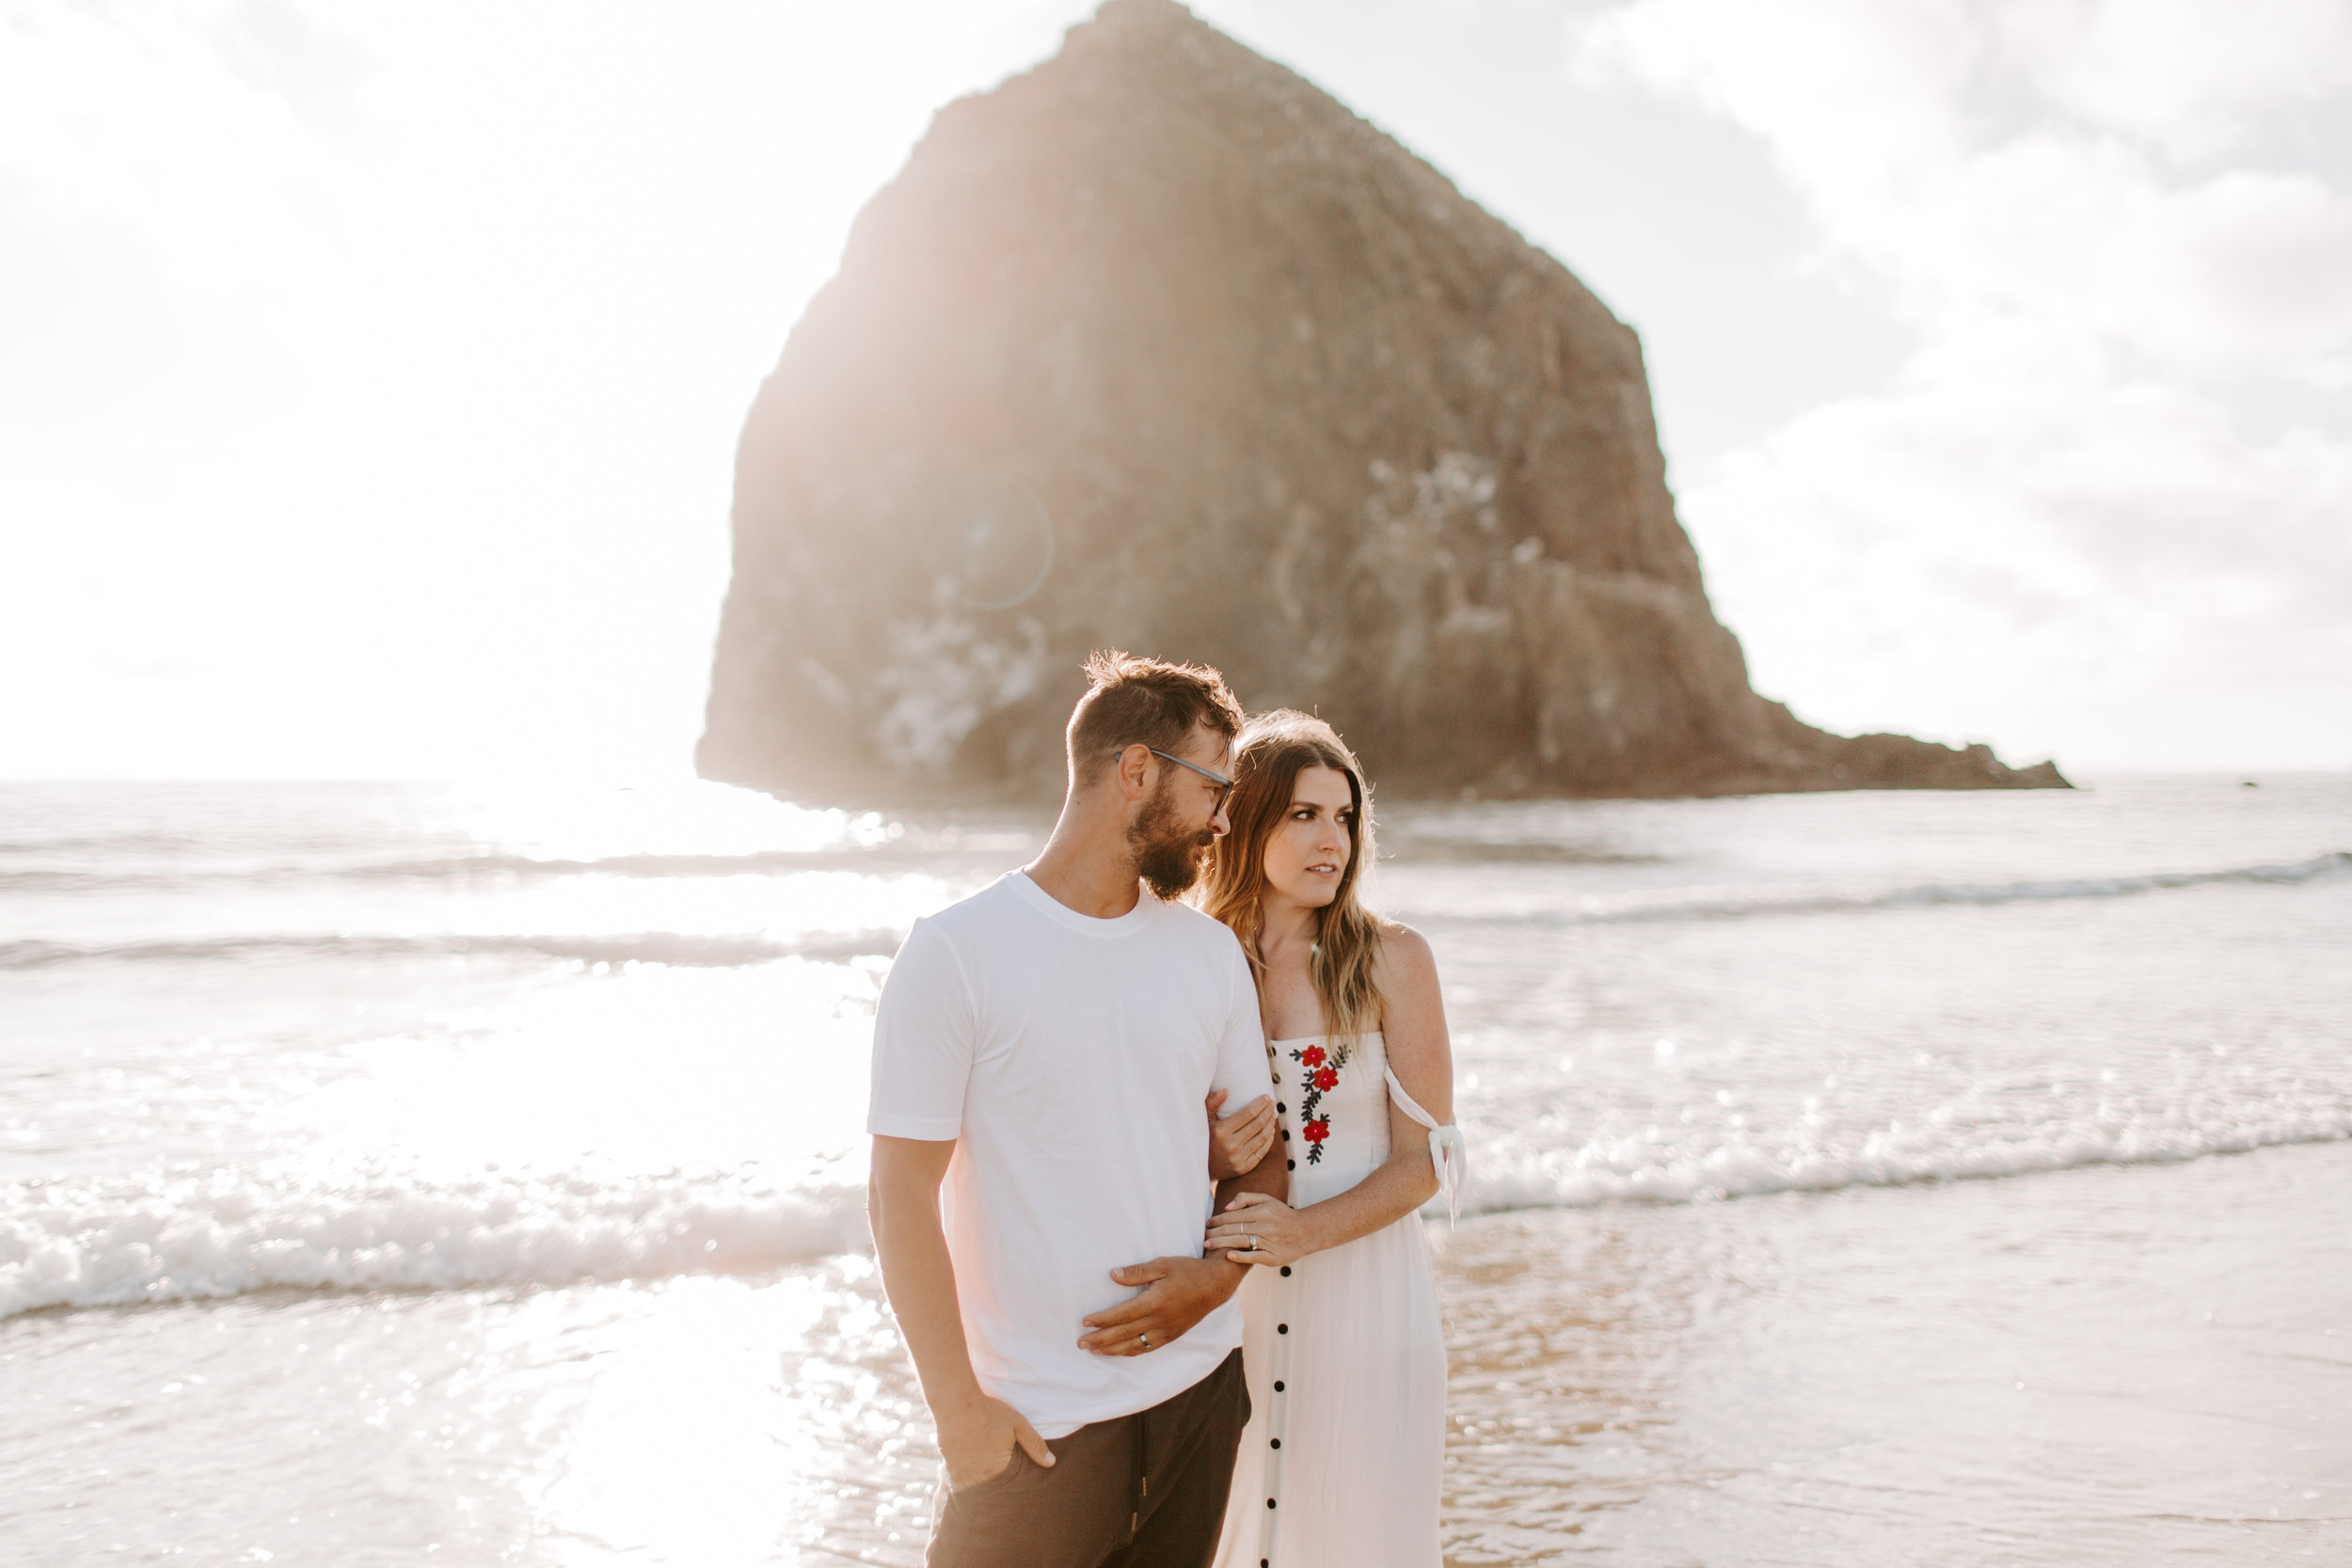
(2125, 1365)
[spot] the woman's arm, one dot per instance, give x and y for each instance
(1421, 1058)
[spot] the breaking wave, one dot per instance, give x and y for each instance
(86, 1244)
(2333, 864)
(1610, 1170)
(91, 1244)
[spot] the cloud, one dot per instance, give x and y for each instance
(174, 122)
(2186, 75)
(2052, 506)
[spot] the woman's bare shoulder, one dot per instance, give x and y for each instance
(1414, 1020)
(1408, 957)
(1409, 980)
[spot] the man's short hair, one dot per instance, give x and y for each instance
(1131, 699)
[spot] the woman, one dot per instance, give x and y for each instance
(1345, 1355)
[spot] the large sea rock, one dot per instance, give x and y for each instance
(1160, 347)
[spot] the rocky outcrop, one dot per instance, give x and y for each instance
(1160, 347)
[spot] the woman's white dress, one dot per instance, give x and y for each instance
(1345, 1354)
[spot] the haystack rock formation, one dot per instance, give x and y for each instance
(1159, 347)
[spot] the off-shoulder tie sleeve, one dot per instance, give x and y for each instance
(1446, 1150)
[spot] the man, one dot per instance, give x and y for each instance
(1043, 1049)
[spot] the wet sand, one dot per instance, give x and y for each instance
(2119, 1365)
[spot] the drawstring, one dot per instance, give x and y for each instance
(1143, 1482)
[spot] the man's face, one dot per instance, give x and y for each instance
(1182, 815)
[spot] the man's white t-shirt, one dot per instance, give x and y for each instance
(1068, 1057)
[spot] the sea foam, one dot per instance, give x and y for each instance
(1632, 1169)
(1682, 905)
(81, 1244)
(85, 1244)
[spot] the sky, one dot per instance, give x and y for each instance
(371, 370)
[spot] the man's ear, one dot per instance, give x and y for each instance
(1134, 767)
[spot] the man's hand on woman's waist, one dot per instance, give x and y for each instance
(1177, 1292)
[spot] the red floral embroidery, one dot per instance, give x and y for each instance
(1322, 1074)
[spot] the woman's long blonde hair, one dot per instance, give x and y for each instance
(1345, 965)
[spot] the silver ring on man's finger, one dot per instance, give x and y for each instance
(1146, 1337)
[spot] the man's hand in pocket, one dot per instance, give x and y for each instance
(978, 1437)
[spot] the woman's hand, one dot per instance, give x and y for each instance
(1240, 1141)
(1255, 1229)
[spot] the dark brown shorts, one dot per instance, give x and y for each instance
(1142, 1490)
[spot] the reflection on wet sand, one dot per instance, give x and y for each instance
(1562, 1343)
(2122, 1365)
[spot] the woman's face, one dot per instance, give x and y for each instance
(1307, 853)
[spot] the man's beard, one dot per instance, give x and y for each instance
(1167, 857)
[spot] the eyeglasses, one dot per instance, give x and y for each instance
(1224, 784)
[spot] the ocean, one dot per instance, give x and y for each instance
(393, 1172)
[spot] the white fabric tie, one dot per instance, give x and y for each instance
(1447, 1152)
